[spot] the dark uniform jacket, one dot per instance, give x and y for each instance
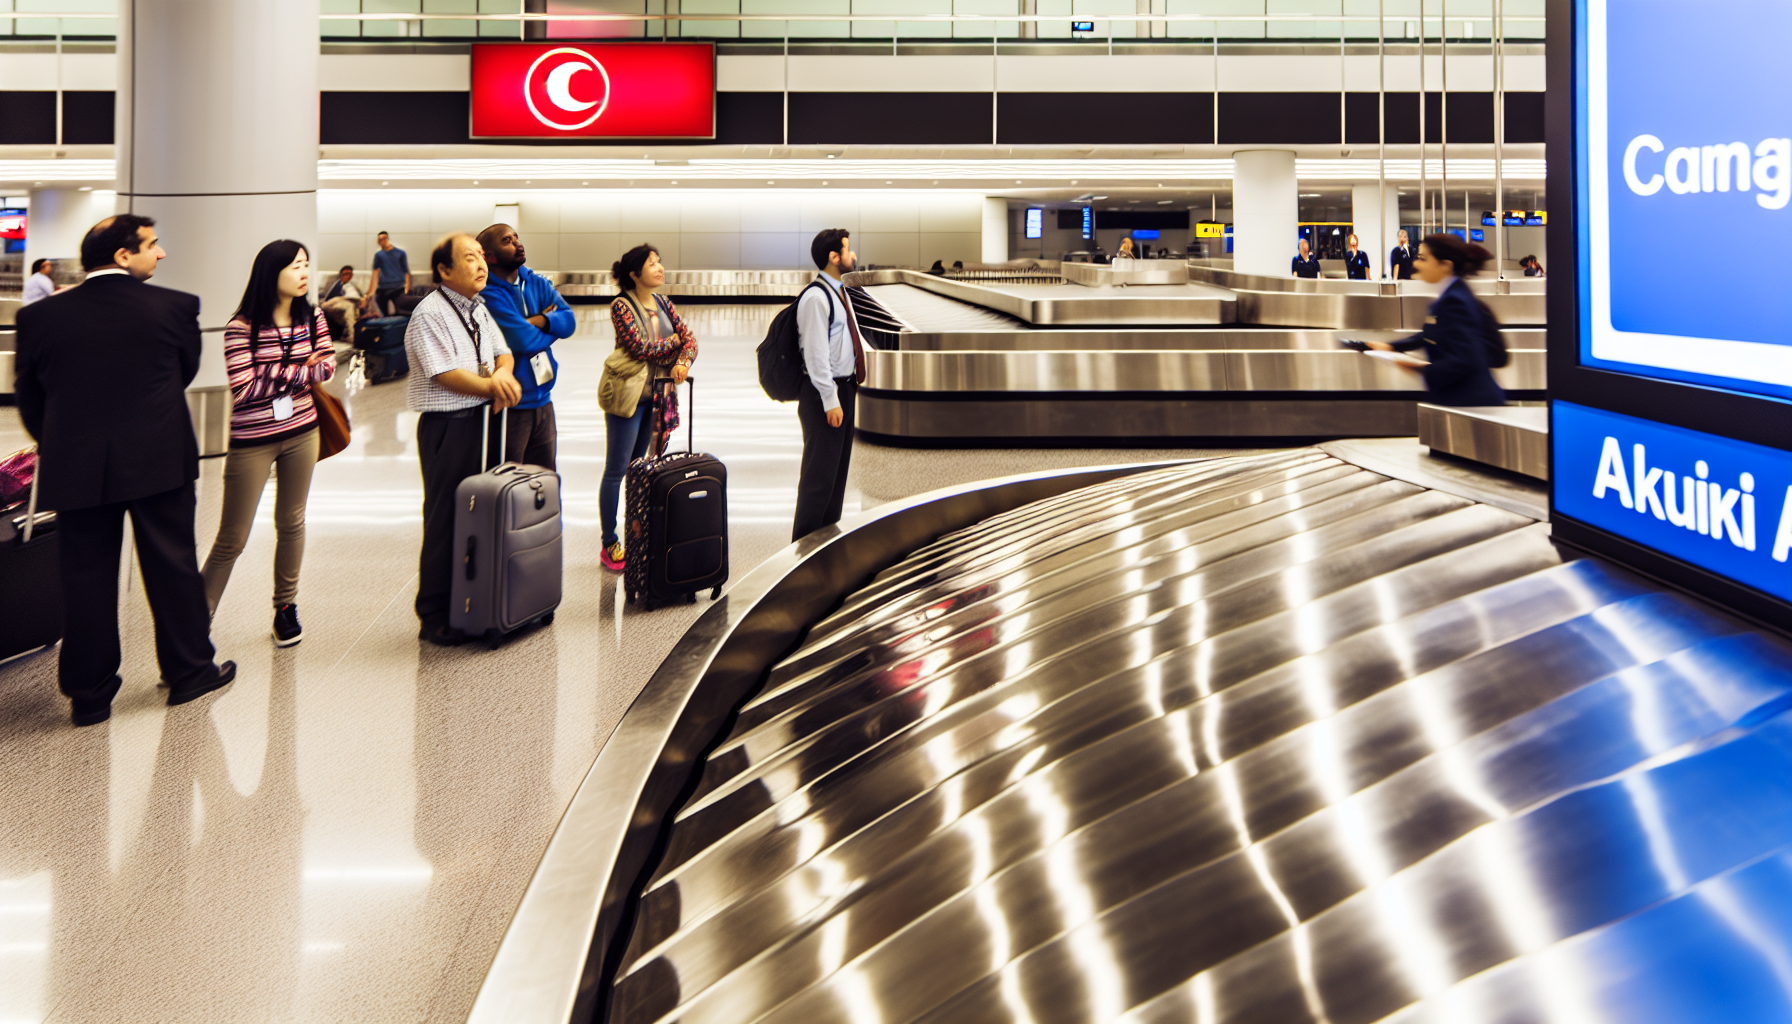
(1356, 265)
(1400, 262)
(103, 370)
(1308, 267)
(1453, 340)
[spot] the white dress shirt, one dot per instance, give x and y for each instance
(827, 351)
(39, 286)
(436, 341)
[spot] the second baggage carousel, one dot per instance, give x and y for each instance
(958, 362)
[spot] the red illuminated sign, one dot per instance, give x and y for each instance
(594, 91)
(12, 224)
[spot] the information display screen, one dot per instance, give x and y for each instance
(593, 90)
(1684, 119)
(1035, 223)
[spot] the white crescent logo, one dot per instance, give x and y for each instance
(557, 86)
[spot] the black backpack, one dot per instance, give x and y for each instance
(781, 369)
(1491, 338)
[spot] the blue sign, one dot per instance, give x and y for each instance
(1685, 121)
(1088, 222)
(1149, 234)
(1720, 504)
(1477, 235)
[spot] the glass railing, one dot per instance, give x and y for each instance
(1098, 24)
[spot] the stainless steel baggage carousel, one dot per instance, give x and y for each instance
(959, 362)
(1268, 738)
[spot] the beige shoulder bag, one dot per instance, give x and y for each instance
(625, 377)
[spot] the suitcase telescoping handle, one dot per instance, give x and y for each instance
(690, 419)
(485, 436)
(37, 470)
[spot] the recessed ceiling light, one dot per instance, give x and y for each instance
(584, 183)
(675, 183)
(771, 183)
(889, 183)
(1310, 195)
(1165, 202)
(85, 188)
(1098, 197)
(385, 183)
(824, 183)
(528, 183)
(830, 156)
(475, 183)
(1017, 181)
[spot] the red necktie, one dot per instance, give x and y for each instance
(858, 343)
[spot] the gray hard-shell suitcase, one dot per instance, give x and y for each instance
(506, 546)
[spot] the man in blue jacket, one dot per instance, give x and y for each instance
(532, 316)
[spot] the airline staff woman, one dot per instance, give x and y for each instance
(1306, 264)
(1454, 338)
(1400, 260)
(1356, 261)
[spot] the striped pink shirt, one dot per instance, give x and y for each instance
(274, 366)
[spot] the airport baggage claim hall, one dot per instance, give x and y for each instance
(1285, 513)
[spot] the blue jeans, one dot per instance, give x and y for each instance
(627, 438)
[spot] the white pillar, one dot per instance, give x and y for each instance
(217, 140)
(995, 229)
(1265, 211)
(1376, 239)
(58, 219)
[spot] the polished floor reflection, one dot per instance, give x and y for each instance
(1268, 738)
(343, 834)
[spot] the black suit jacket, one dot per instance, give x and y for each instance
(103, 370)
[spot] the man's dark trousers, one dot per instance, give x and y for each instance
(386, 299)
(91, 539)
(827, 455)
(448, 449)
(530, 438)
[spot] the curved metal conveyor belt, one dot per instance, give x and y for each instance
(1267, 738)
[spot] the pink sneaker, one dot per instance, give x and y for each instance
(613, 557)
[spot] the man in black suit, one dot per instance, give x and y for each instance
(102, 376)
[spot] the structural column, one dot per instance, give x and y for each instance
(1376, 222)
(995, 229)
(1265, 211)
(57, 221)
(217, 140)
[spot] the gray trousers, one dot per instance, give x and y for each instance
(245, 477)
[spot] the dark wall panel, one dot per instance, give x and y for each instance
(87, 118)
(890, 118)
(28, 118)
(749, 118)
(393, 118)
(1046, 118)
(1252, 118)
(1524, 117)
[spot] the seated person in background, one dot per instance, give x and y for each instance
(343, 299)
(1306, 264)
(1356, 261)
(1532, 268)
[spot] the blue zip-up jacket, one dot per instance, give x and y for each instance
(511, 306)
(1452, 339)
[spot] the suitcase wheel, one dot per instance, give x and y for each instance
(690, 598)
(493, 638)
(547, 620)
(715, 594)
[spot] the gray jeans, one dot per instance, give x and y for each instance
(245, 477)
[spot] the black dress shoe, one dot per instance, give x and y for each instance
(440, 633)
(226, 673)
(97, 707)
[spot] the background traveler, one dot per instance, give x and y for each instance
(391, 276)
(459, 363)
(1532, 268)
(1356, 261)
(1305, 264)
(41, 284)
(1126, 251)
(342, 298)
(102, 374)
(1456, 332)
(648, 330)
(1400, 259)
(277, 349)
(532, 316)
(834, 355)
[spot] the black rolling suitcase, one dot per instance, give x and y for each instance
(382, 338)
(507, 546)
(30, 579)
(676, 541)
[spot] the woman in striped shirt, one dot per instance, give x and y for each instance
(276, 349)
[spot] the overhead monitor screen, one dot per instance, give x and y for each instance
(1088, 222)
(1685, 120)
(1035, 223)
